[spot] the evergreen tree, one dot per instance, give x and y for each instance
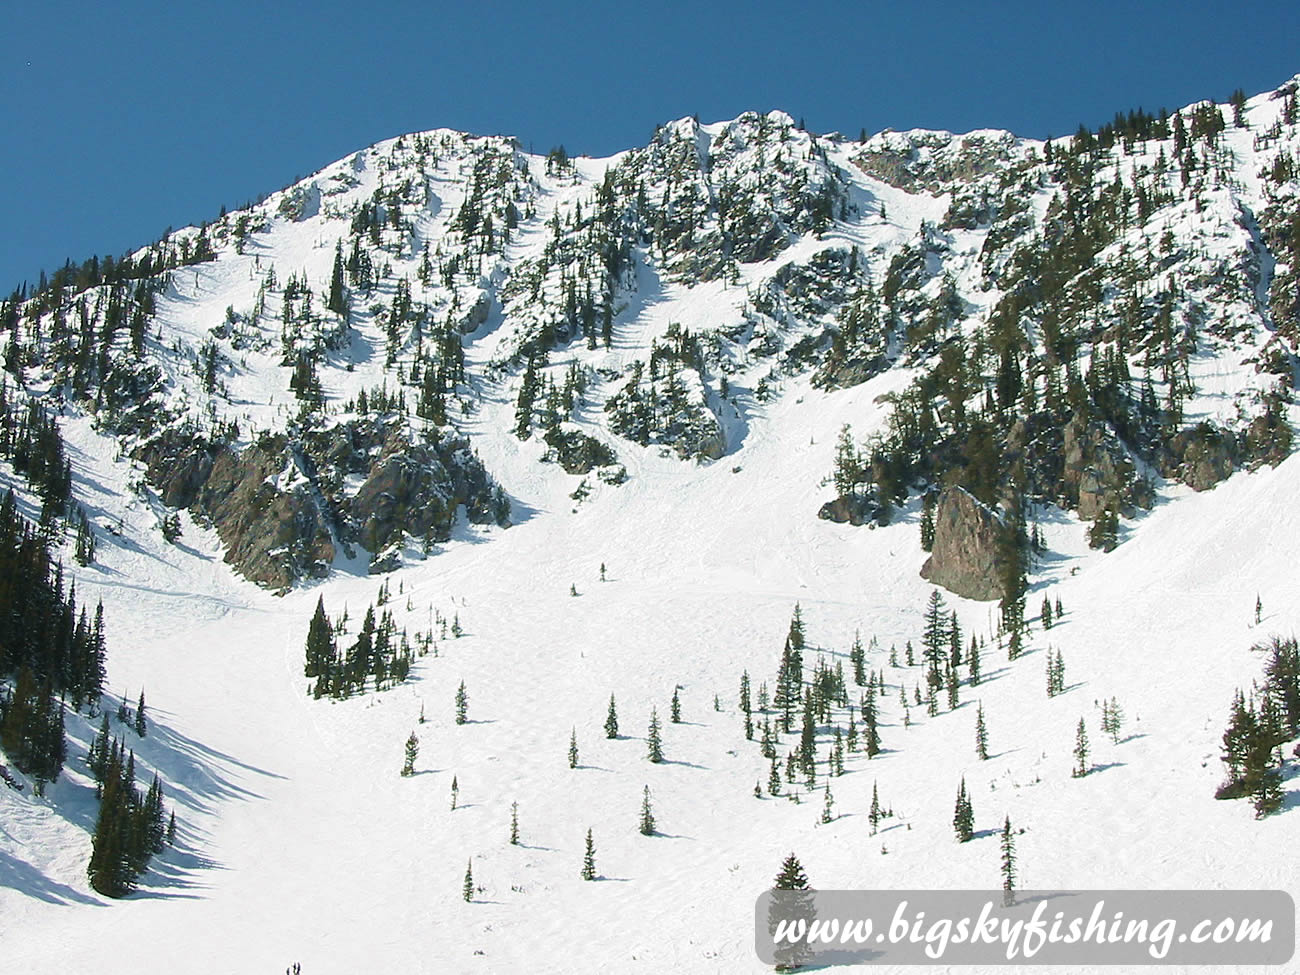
(744, 692)
(874, 816)
(455, 793)
(1081, 766)
(808, 737)
(828, 805)
(935, 639)
(675, 709)
(653, 741)
(611, 720)
(1046, 614)
(462, 704)
(981, 735)
(573, 748)
(467, 888)
(951, 683)
(870, 734)
(320, 651)
(412, 751)
(774, 778)
(857, 656)
(514, 824)
(963, 818)
(973, 662)
(589, 859)
(141, 724)
(647, 814)
(1112, 719)
(792, 908)
(1008, 863)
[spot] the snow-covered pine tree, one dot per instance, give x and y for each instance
(744, 692)
(963, 818)
(655, 746)
(1081, 766)
(973, 662)
(874, 815)
(981, 734)
(573, 748)
(675, 710)
(647, 825)
(462, 704)
(828, 805)
(774, 778)
(141, 723)
(611, 719)
(1008, 844)
(514, 823)
(467, 887)
(455, 792)
(589, 859)
(412, 751)
(858, 657)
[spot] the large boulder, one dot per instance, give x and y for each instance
(970, 544)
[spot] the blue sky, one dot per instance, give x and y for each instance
(120, 120)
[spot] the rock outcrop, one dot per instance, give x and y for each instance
(283, 506)
(970, 542)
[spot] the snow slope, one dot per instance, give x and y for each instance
(299, 842)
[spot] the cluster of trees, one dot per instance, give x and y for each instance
(379, 653)
(1257, 727)
(47, 642)
(130, 827)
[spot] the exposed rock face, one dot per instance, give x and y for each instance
(283, 507)
(852, 508)
(1201, 456)
(969, 539)
(1097, 472)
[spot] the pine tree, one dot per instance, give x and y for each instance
(1259, 609)
(874, 816)
(462, 704)
(589, 859)
(963, 818)
(514, 824)
(973, 662)
(654, 743)
(467, 888)
(1008, 864)
(952, 688)
(870, 733)
(647, 814)
(837, 754)
(1112, 719)
(611, 720)
(774, 778)
(793, 908)
(981, 735)
(675, 709)
(1081, 766)
(171, 829)
(573, 748)
(935, 639)
(141, 725)
(412, 751)
(828, 805)
(744, 692)
(858, 657)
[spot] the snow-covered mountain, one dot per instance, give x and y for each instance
(568, 425)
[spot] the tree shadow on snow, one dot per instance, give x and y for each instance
(21, 876)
